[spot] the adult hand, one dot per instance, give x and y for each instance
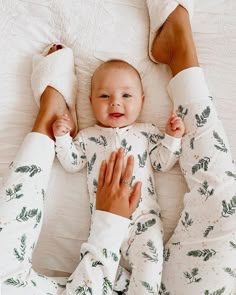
(114, 193)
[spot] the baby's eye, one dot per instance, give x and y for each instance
(104, 96)
(126, 95)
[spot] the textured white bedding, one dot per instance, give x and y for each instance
(98, 30)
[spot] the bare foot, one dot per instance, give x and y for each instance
(52, 105)
(174, 43)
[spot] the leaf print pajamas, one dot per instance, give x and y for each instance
(200, 256)
(21, 213)
(202, 251)
(142, 249)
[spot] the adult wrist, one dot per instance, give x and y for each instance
(108, 230)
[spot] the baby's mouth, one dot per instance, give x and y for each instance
(116, 115)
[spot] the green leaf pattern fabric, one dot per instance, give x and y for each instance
(199, 258)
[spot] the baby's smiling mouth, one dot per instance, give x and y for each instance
(116, 115)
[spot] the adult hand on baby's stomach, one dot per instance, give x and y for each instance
(114, 193)
(61, 125)
(175, 126)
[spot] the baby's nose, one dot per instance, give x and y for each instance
(115, 102)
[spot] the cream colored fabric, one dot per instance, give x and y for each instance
(98, 30)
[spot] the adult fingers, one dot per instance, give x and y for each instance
(128, 172)
(118, 167)
(102, 173)
(110, 167)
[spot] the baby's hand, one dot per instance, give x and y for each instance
(61, 126)
(175, 126)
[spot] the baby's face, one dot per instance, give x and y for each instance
(116, 96)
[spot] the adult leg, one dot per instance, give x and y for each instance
(21, 205)
(52, 105)
(201, 251)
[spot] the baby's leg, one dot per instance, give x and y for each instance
(204, 242)
(144, 253)
(21, 204)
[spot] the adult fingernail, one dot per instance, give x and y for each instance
(121, 150)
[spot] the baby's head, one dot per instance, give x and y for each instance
(116, 94)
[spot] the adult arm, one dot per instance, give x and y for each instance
(96, 271)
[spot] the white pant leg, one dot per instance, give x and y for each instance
(144, 252)
(21, 214)
(204, 242)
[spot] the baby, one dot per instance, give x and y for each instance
(117, 99)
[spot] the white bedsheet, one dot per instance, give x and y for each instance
(98, 30)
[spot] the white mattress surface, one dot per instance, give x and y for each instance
(98, 30)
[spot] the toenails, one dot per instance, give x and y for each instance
(54, 48)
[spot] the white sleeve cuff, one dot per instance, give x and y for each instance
(172, 143)
(44, 146)
(188, 85)
(63, 139)
(108, 230)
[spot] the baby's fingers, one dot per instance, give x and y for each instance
(62, 125)
(64, 117)
(173, 117)
(176, 125)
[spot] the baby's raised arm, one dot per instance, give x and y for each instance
(70, 152)
(175, 126)
(61, 125)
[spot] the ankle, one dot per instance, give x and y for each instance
(184, 54)
(52, 105)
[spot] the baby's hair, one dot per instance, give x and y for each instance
(120, 64)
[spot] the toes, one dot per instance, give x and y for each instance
(59, 47)
(52, 49)
(55, 48)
